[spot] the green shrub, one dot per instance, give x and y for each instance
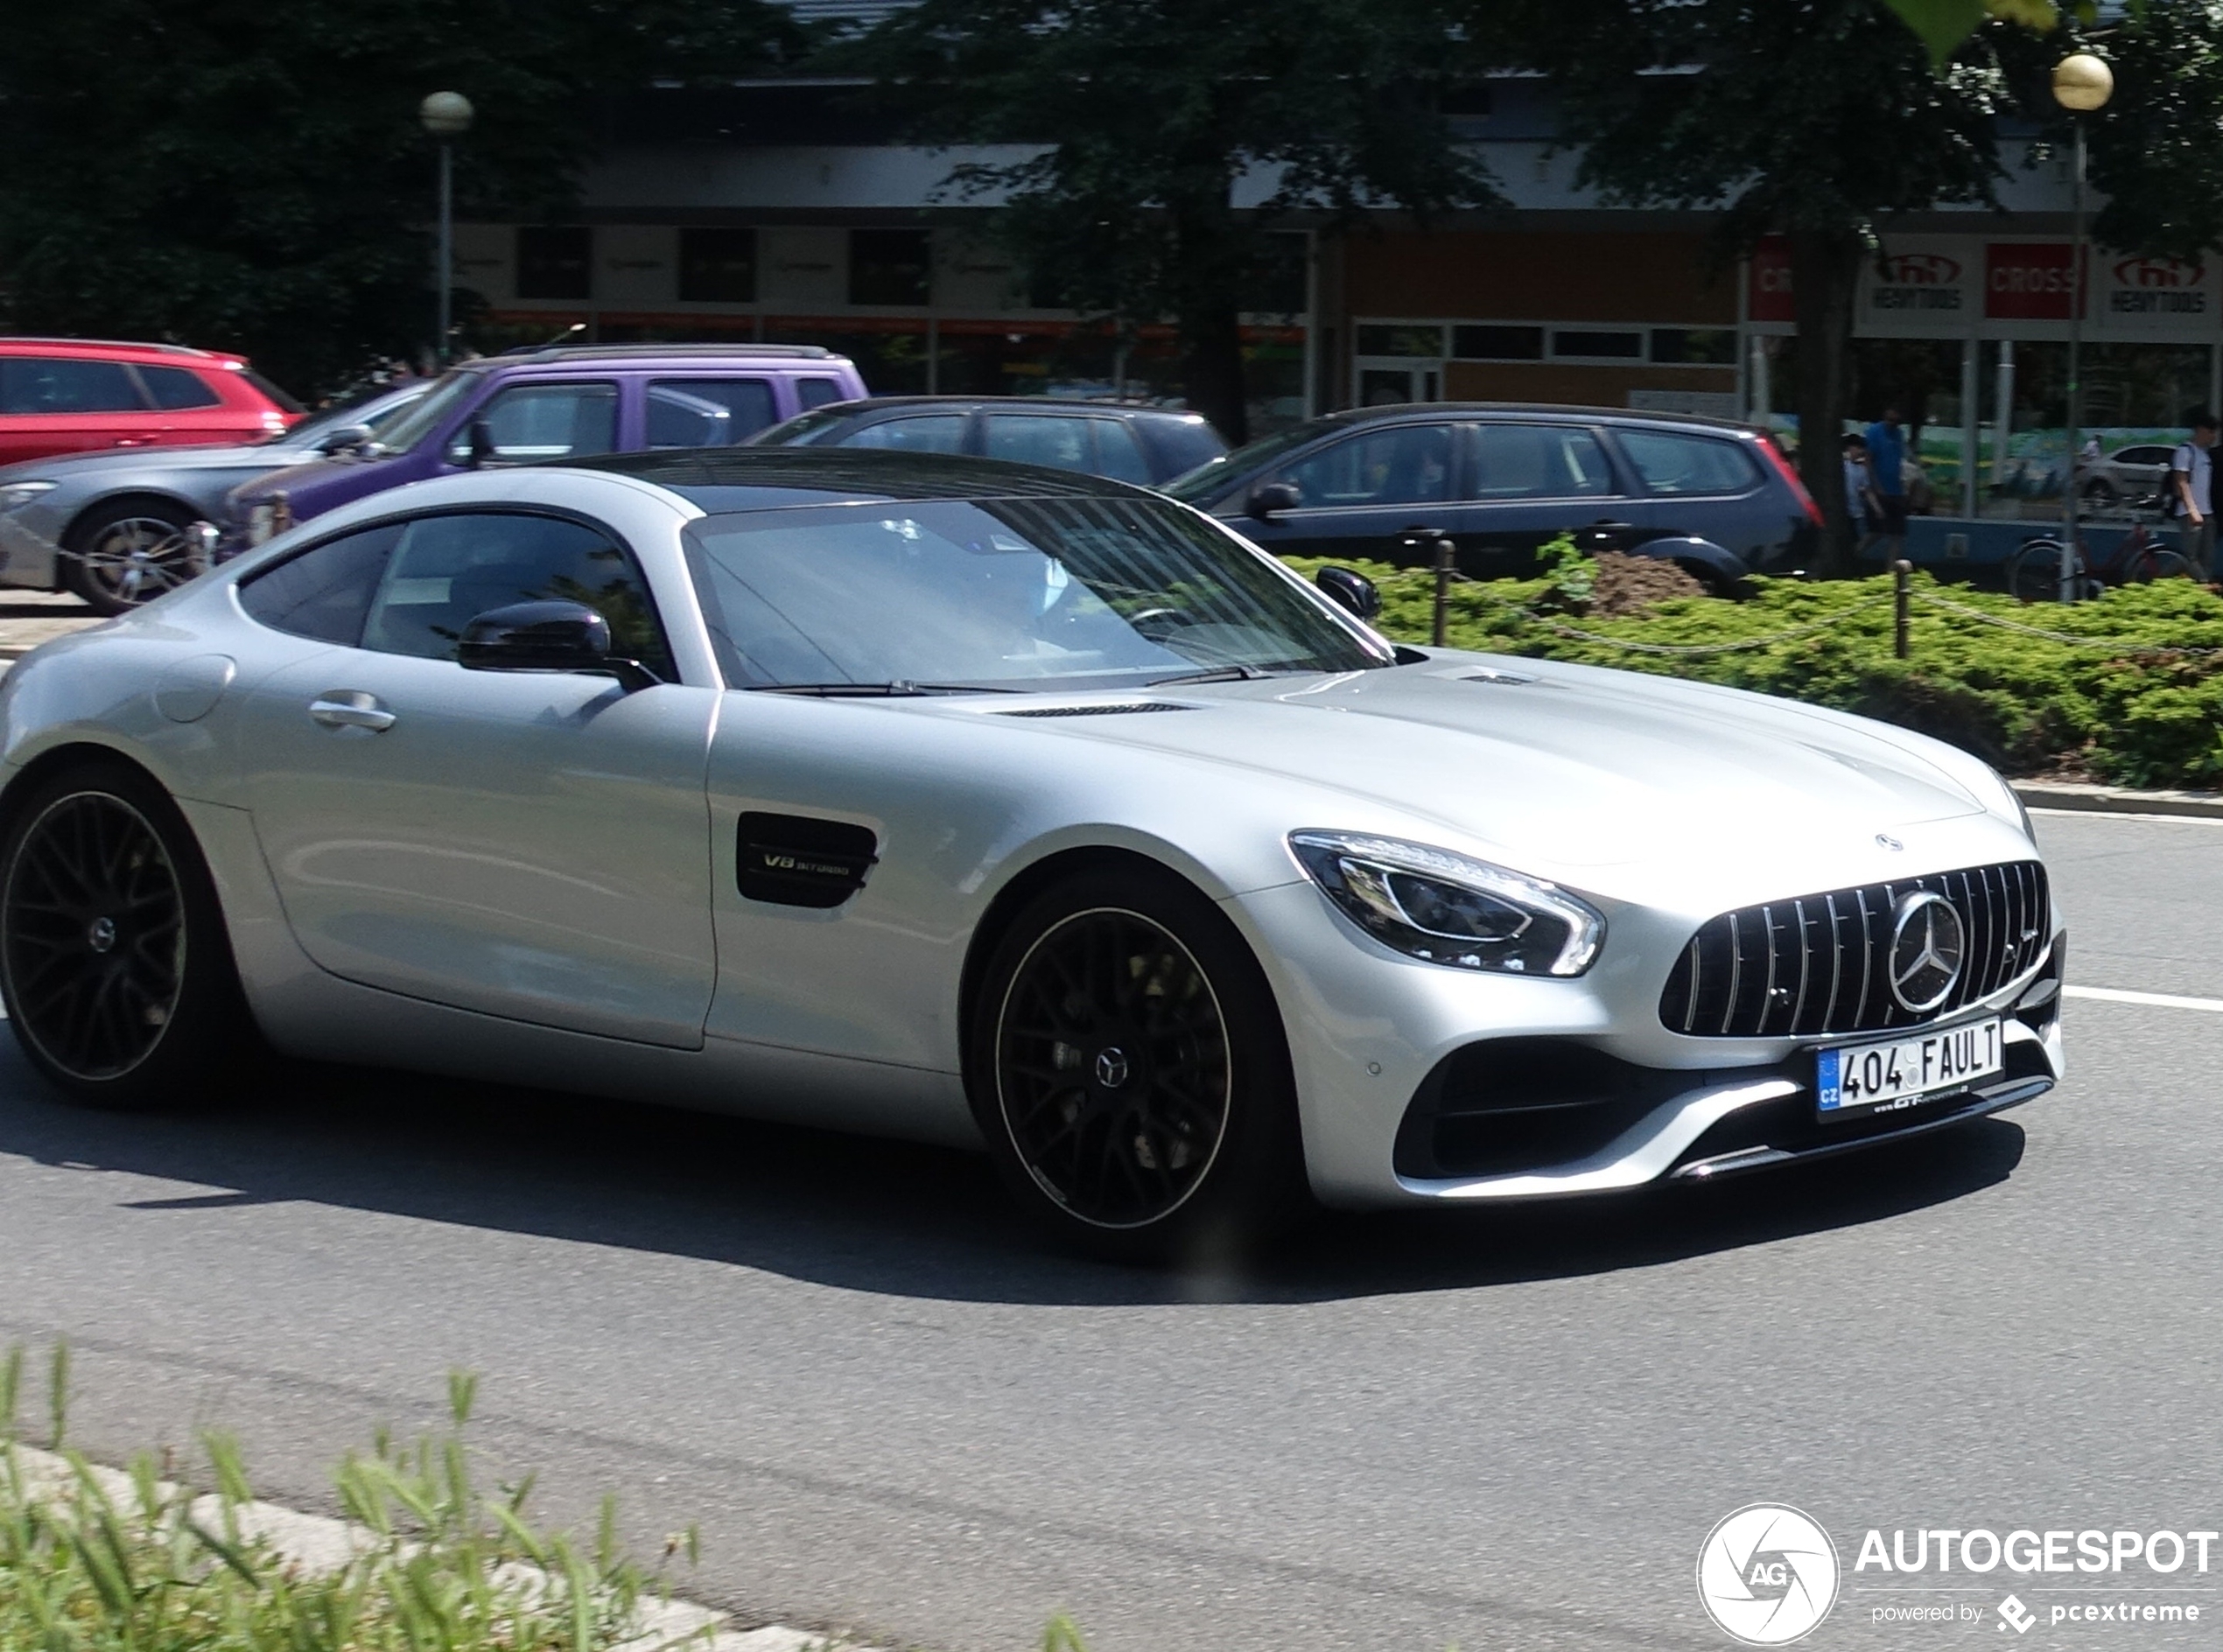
(2130, 698)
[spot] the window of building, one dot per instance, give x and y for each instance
(718, 266)
(1381, 339)
(1695, 346)
(890, 266)
(554, 261)
(1609, 346)
(1498, 344)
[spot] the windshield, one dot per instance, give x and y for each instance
(799, 431)
(428, 414)
(1030, 594)
(1215, 473)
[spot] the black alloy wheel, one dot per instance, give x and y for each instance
(117, 976)
(1130, 1074)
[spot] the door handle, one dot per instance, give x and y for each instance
(351, 709)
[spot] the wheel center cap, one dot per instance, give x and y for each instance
(1111, 1069)
(101, 935)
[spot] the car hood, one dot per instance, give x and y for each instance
(324, 481)
(241, 456)
(1564, 767)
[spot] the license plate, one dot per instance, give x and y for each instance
(1883, 1077)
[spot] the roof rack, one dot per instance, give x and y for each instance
(109, 344)
(605, 352)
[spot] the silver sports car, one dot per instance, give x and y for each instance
(992, 805)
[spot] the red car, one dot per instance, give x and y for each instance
(76, 395)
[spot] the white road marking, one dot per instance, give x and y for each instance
(2159, 1000)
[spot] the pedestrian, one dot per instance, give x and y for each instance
(1860, 492)
(2191, 487)
(1887, 471)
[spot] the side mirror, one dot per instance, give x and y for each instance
(481, 450)
(1269, 497)
(547, 636)
(1348, 588)
(346, 439)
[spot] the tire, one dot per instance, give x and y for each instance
(114, 961)
(121, 557)
(1126, 1064)
(2034, 573)
(2160, 564)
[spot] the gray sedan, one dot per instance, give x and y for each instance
(1002, 805)
(116, 527)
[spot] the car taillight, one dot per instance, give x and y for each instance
(1790, 477)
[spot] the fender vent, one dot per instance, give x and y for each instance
(1097, 709)
(797, 860)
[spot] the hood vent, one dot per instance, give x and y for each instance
(1098, 709)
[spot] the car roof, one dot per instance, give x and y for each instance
(1020, 403)
(1529, 410)
(570, 352)
(702, 474)
(112, 350)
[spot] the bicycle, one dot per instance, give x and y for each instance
(2034, 572)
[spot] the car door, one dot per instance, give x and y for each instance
(704, 411)
(189, 410)
(62, 404)
(1709, 486)
(541, 422)
(531, 845)
(1362, 495)
(1528, 482)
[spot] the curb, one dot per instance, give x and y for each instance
(2118, 800)
(318, 1543)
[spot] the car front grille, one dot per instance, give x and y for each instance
(1820, 964)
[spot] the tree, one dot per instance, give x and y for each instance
(1816, 120)
(2157, 146)
(254, 177)
(1152, 116)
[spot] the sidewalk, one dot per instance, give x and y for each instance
(29, 618)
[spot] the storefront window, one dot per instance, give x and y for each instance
(2135, 396)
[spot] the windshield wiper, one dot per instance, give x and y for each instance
(900, 688)
(1218, 674)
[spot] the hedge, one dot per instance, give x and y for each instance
(2133, 698)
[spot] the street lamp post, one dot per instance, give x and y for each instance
(2081, 84)
(446, 116)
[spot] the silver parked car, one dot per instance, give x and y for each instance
(988, 804)
(116, 527)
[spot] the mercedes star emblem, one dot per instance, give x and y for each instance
(1928, 947)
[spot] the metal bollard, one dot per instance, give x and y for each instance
(1902, 576)
(1445, 550)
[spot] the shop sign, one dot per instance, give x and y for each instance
(1770, 297)
(1918, 290)
(2138, 294)
(2027, 281)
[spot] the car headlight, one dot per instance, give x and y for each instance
(1448, 908)
(15, 495)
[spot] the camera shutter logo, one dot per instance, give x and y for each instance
(1767, 1575)
(1928, 947)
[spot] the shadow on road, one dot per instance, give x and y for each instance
(881, 1216)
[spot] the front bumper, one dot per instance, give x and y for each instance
(1392, 1059)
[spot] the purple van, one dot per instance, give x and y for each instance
(554, 404)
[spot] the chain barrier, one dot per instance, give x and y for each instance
(2064, 637)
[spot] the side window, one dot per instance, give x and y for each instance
(448, 570)
(530, 422)
(175, 390)
(1538, 461)
(932, 433)
(1040, 438)
(707, 412)
(325, 592)
(57, 384)
(1670, 462)
(817, 392)
(1118, 451)
(1403, 464)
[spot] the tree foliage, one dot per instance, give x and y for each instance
(1153, 117)
(252, 176)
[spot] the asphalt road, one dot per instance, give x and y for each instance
(887, 1408)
